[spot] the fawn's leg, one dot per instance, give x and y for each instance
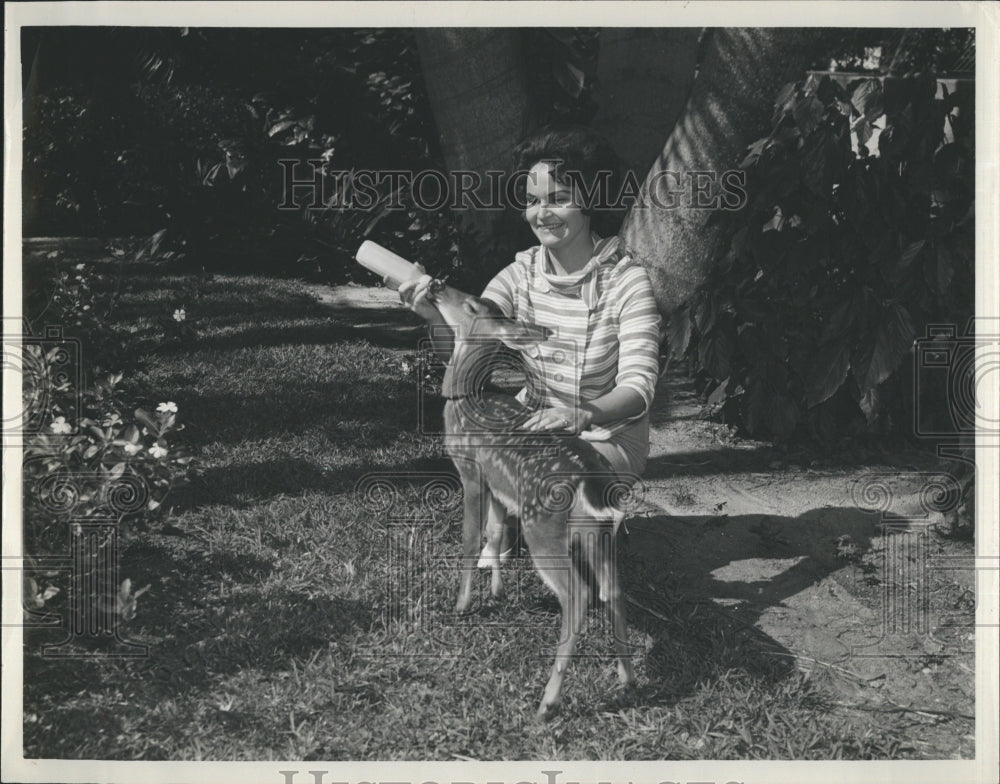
(548, 540)
(491, 556)
(611, 593)
(573, 605)
(476, 496)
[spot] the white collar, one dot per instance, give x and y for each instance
(586, 279)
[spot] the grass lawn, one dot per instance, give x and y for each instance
(300, 616)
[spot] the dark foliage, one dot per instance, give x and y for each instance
(191, 138)
(858, 233)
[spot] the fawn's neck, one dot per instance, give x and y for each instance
(469, 368)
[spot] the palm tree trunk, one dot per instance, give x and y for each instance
(731, 105)
(644, 77)
(476, 88)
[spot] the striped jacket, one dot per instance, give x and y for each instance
(605, 329)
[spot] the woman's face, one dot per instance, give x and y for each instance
(552, 211)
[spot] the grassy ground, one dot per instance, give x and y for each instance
(300, 616)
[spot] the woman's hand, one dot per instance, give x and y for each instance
(413, 294)
(561, 418)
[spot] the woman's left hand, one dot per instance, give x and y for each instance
(560, 418)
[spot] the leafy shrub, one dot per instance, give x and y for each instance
(857, 233)
(76, 181)
(91, 452)
(106, 463)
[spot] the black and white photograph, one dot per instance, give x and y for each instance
(512, 392)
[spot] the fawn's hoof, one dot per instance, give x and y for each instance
(626, 677)
(545, 712)
(491, 559)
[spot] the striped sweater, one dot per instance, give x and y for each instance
(605, 329)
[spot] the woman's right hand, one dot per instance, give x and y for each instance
(413, 294)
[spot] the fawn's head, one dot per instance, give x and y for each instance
(480, 330)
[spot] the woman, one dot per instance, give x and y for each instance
(599, 369)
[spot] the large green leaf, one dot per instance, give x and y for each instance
(754, 151)
(766, 410)
(783, 101)
(715, 352)
(894, 336)
(910, 253)
(867, 98)
(840, 321)
(570, 78)
(808, 113)
(827, 372)
(705, 312)
(147, 421)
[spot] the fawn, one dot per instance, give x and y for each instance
(558, 485)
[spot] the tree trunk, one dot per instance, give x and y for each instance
(644, 77)
(476, 88)
(731, 105)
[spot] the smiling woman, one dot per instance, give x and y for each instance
(599, 368)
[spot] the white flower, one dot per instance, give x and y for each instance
(61, 426)
(168, 407)
(132, 449)
(157, 451)
(180, 314)
(406, 367)
(80, 267)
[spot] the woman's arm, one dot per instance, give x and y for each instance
(413, 294)
(620, 403)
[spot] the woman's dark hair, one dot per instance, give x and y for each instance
(584, 159)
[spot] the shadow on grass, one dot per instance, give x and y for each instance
(252, 326)
(193, 638)
(247, 484)
(382, 328)
(362, 412)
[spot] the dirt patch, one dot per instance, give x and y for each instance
(845, 568)
(355, 296)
